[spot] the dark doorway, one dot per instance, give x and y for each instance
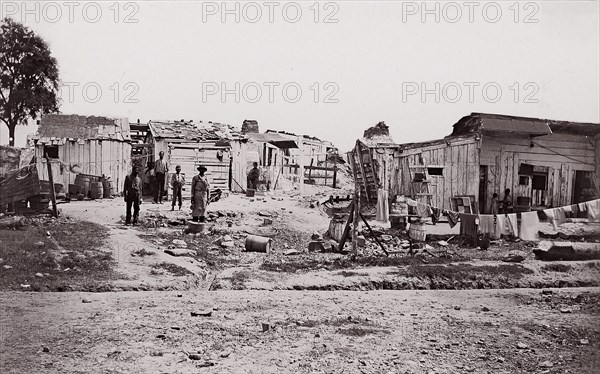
(583, 190)
(483, 188)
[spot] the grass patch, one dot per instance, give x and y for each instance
(560, 268)
(70, 258)
(345, 273)
(176, 270)
(307, 264)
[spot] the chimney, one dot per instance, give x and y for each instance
(138, 121)
(250, 126)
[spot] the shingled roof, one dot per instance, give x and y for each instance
(54, 127)
(194, 131)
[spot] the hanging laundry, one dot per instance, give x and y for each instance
(529, 226)
(491, 225)
(424, 210)
(383, 209)
(468, 225)
(556, 216)
(582, 207)
(452, 218)
(574, 210)
(593, 210)
(510, 226)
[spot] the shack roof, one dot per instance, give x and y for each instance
(488, 122)
(64, 126)
(313, 138)
(194, 131)
(273, 138)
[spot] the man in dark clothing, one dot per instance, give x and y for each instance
(253, 176)
(160, 169)
(132, 193)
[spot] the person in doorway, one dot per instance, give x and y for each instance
(177, 182)
(132, 192)
(160, 170)
(200, 195)
(494, 204)
(253, 176)
(507, 202)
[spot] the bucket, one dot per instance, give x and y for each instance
(256, 243)
(75, 189)
(195, 227)
(417, 232)
(84, 181)
(96, 190)
(250, 192)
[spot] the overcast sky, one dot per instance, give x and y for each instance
(361, 61)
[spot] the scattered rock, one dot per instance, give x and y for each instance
(566, 310)
(225, 354)
(39, 244)
(546, 364)
(7, 267)
(456, 307)
(515, 256)
(584, 342)
(291, 252)
(179, 243)
(194, 356)
(227, 244)
(316, 246)
(316, 236)
(25, 286)
(202, 313)
(156, 354)
(177, 252)
(45, 349)
(86, 301)
(485, 309)
(443, 243)
(546, 292)
(521, 345)
(266, 326)
(39, 275)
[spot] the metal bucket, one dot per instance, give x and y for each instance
(256, 243)
(250, 192)
(196, 227)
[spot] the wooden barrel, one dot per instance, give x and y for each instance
(336, 228)
(256, 243)
(417, 232)
(96, 190)
(108, 188)
(85, 182)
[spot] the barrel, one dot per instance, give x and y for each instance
(108, 188)
(336, 228)
(256, 243)
(75, 189)
(84, 181)
(250, 192)
(417, 232)
(96, 190)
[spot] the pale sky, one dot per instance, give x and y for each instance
(374, 61)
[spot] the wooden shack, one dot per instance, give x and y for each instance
(545, 163)
(219, 147)
(76, 144)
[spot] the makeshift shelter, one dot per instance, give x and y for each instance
(92, 145)
(219, 147)
(545, 163)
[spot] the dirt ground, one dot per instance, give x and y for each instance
(475, 331)
(460, 310)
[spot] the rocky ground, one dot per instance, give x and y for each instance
(210, 306)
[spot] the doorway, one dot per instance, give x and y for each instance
(483, 188)
(583, 190)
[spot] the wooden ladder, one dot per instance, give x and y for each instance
(365, 172)
(420, 184)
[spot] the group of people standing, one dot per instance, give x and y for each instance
(200, 191)
(503, 206)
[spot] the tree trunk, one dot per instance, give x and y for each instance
(11, 134)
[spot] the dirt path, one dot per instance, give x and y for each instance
(477, 331)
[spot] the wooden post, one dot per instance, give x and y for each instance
(52, 194)
(312, 160)
(325, 170)
(335, 170)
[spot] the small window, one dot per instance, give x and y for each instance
(436, 171)
(51, 151)
(538, 182)
(523, 180)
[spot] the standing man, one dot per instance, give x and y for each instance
(132, 193)
(253, 176)
(200, 195)
(177, 181)
(160, 169)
